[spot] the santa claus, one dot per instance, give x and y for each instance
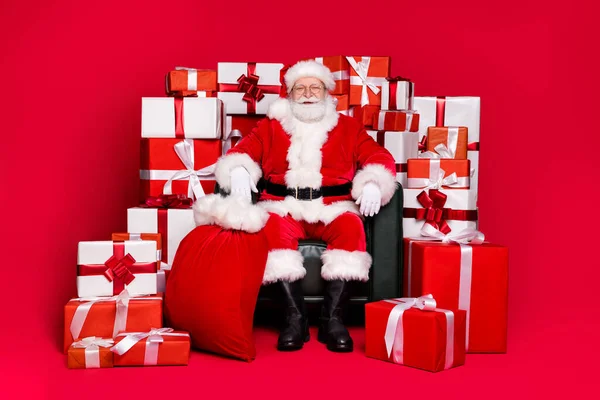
(320, 173)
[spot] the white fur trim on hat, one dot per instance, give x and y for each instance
(313, 69)
(231, 212)
(346, 265)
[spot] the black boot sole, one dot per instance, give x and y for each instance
(338, 348)
(292, 346)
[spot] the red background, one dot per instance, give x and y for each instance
(73, 74)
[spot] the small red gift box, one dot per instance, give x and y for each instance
(396, 121)
(471, 277)
(438, 173)
(90, 352)
(339, 67)
(191, 80)
(367, 75)
(365, 114)
(162, 346)
(175, 166)
(107, 316)
(413, 332)
(342, 104)
(454, 141)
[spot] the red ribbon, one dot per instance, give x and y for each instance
(402, 167)
(118, 269)
(440, 116)
(168, 201)
(474, 146)
(393, 88)
(423, 144)
(179, 132)
(163, 229)
(248, 84)
(433, 206)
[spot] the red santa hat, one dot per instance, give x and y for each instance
(313, 69)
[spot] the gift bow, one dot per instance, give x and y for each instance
(433, 203)
(441, 151)
(119, 268)
(436, 182)
(169, 201)
(154, 338)
(249, 85)
(185, 152)
(466, 236)
(122, 304)
(362, 69)
(92, 346)
(394, 332)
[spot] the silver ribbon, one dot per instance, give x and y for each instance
(192, 77)
(92, 346)
(362, 70)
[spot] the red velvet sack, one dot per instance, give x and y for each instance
(213, 287)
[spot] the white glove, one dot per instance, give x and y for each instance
(370, 200)
(241, 184)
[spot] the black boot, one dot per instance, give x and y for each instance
(295, 330)
(332, 330)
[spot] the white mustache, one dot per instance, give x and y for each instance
(304, 100)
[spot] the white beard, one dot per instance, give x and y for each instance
(309, 111)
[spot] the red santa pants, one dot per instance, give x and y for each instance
(345, 258)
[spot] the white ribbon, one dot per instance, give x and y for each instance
(122, 305)
(153, 339)
(92, 346)
(233, 133)
(436, 178)
(464, 238)
(185, 152)
(192, 77)
(381, 120)
(362, 70)
(441, 151)
(394, 332)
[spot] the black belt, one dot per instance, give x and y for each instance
(306, 193)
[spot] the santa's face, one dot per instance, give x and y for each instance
(308, 99)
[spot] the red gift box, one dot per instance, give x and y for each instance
(107, 316)
(193, 93)
(413, 332)
(162, 346)
(367, 75)
(400, 121)
(191, 80)
(339, 67)
(90, 352)
(237, 127)
(448, 141)
(470, 277)
(176, 166)
(438, 173)
(365, 114)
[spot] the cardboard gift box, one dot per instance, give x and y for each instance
(397, 94)
(396, 121)
(191, 80)
(90, 352)
(248, 88)
(339, 67)
(182, 117)
(172, 223)
(453, 141)
(162, 346)
(367, 75)
(174, 166)
(445, 209)
(453, 111)
(438, 173)
(470, 277)
(415, 333)
(402, 146)
(105, 268)
(107, 316)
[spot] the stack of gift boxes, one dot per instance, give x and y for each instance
(455, 283)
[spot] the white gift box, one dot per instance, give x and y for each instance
(269, 81)
(92, 263)
(457, 111)
(195, 117)
(457, 199)
(402, 146)
(172, 224)
(400, 97)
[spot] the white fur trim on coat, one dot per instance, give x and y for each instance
(310, 211)
(304, 154)
(231, 212)
(309, 68)
(346, 265)
(378, 174)
(230, 161)
(286, 265)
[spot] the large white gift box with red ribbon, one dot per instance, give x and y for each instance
(105, 268)
(248, 88)
(402, 146)
(172, 224)
(176, 117)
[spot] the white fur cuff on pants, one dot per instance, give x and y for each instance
(346, 265)
(284, 265)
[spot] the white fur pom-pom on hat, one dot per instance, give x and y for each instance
(313, 69)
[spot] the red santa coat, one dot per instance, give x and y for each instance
(333, 151)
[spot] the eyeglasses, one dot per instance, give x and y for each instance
(314, 89)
